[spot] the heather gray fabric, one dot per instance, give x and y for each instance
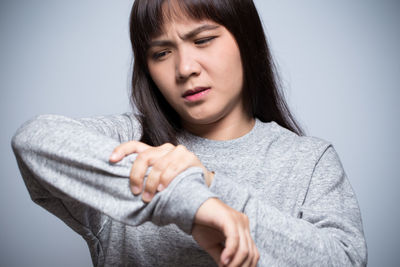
(301, 207)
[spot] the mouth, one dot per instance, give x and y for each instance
(196, 94)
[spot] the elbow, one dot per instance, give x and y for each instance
(355, 255)
(360, 253)
(359, 260)
(363, 255)
(25, 136)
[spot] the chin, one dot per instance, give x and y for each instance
(203, 119)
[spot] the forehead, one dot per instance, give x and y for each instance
(186, 29)
(175, 15)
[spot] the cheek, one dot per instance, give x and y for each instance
(164, 79)
(235, 64)
(158, 75)
(228, 65)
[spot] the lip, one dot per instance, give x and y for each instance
(196, 94)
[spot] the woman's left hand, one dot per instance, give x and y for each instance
(167, 161)
(225, 234)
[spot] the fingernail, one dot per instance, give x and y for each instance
(226, 261)
(146, 196)
(114, 156)
(160, 188)
(135, 190)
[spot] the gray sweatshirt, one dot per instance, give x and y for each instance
(301, 207)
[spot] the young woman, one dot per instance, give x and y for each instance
(212, 169)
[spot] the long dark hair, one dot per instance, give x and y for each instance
(263, 98)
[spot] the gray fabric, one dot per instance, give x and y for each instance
(301, 207)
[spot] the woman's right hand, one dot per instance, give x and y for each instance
(225, 234)
(167, 161)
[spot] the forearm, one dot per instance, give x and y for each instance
(70, 161)
(321, 238)
(292, 241)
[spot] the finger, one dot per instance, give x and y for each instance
(215, 253)
(241, 255)
(208, 238)
(144, 160)
(138, 171)
(250, 243)
(215, 249)
(169, 174)
(153, 179)
(177, 161)
(255, 254)
(231, 243)
(171, 162)
(256, 257)
(127, 148)
(250, 246)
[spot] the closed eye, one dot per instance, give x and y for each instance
(204, 40)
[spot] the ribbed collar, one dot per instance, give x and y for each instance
(197, 143)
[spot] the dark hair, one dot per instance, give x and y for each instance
(263, 98)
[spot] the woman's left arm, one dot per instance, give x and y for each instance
(327, 230)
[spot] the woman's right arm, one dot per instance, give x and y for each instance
(65, 162)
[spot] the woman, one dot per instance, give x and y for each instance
(219, 172)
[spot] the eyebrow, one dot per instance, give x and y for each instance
(186, 36)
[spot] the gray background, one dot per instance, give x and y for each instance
(339, 62)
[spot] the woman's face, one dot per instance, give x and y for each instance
(197, 67)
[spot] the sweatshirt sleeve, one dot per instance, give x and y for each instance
(65, 162)
(327, 228)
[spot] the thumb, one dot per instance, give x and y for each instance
(215, 253)
(210, 240)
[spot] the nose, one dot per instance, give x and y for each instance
(186, 65)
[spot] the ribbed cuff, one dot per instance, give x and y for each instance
(183, 197)
(229, 192)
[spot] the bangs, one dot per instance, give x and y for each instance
(175, 10)
(156, 13)
(149, 16)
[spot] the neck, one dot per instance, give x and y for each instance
(223, 129)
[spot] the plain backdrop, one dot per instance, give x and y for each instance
(339, 64)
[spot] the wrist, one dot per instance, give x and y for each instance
(209, 178)
(208, 212)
